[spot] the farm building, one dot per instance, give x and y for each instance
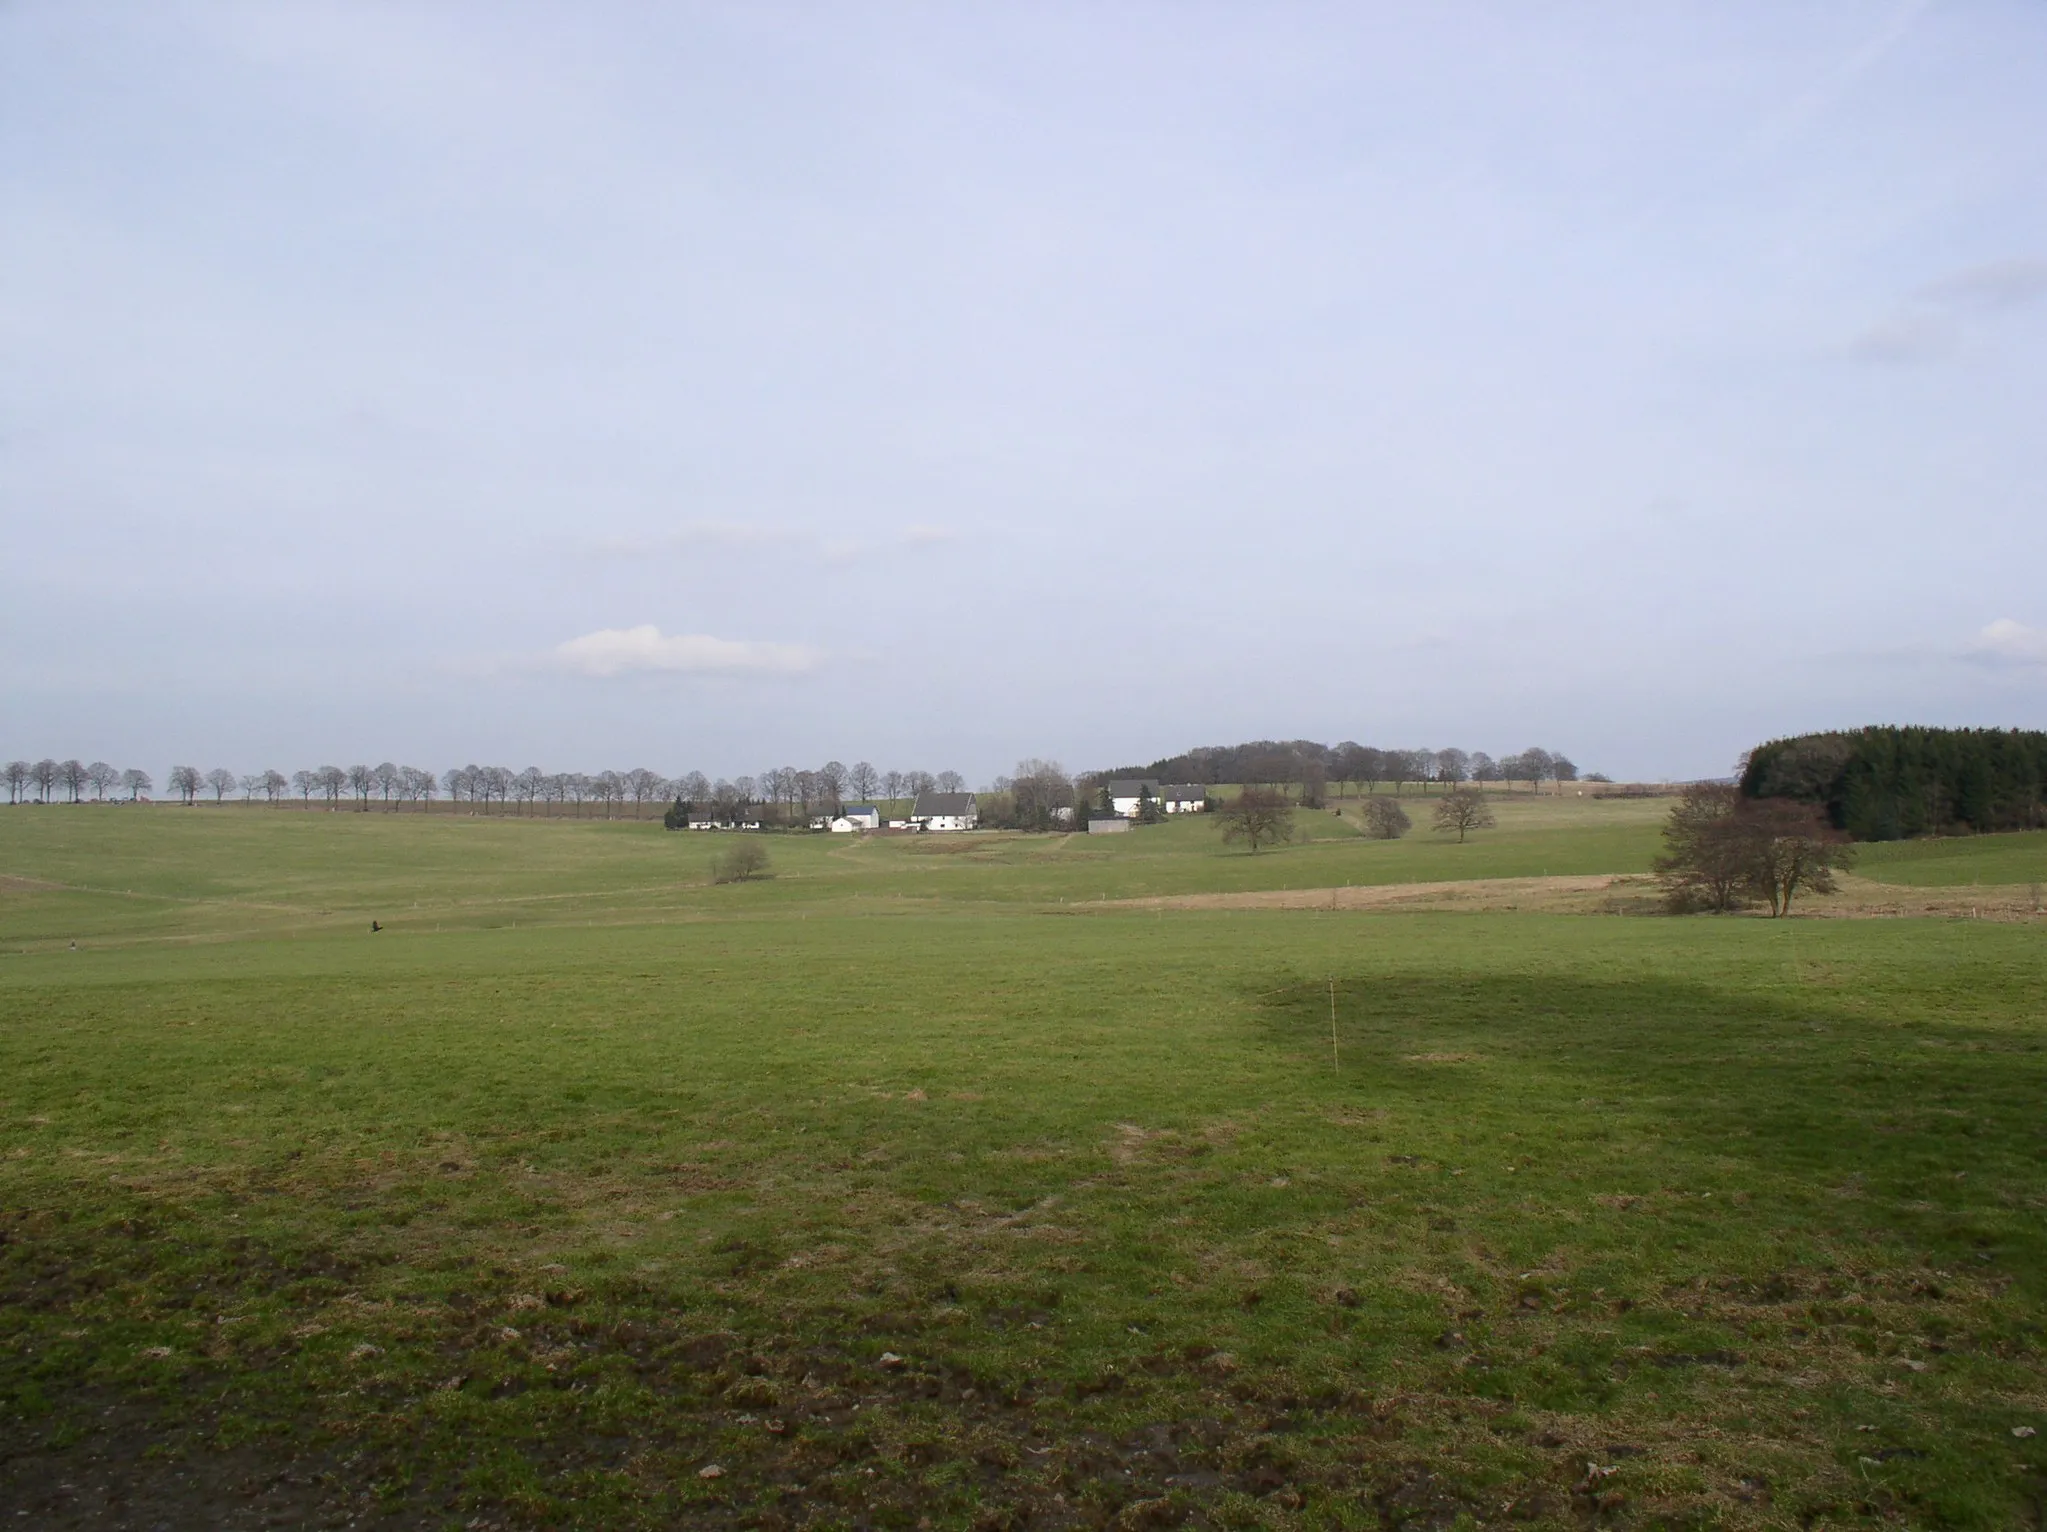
(1126, 796)
(862, 816)
(944, 811)
(1107, 826)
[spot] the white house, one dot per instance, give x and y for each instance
(1125, 797)
(944, 811)
(861, 816)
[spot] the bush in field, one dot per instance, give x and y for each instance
(746, 859)
(1385, 819)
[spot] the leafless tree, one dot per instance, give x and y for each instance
(1452, 766)
(1405, 766)
(916, 782)
(1367, 766)
(1258, 815)
(18, 774)
(1314, 777)
(1483, 768)
(137, 782)
(71, 776)
(1790, 847)
(1041, 790)
(1703, 865)
(834, 777)
(104, 779)
(185, 781)
(1464, 809)
(949, 782)
(222, 781)
(303, 783)
(1534, 764)
(423, 785)
(1385, 819)
(1562, 769)
(273, 784)
(44, 775)
(385, 775)
(862, 781)
(642, 783)
(892, 786)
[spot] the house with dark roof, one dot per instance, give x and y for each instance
(944, 811)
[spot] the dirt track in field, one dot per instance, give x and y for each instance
(1611, 894)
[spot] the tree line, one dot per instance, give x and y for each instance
(1311, 768)
(784, 794)
(1887, 783)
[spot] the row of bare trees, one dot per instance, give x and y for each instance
(783, 794)
(73, 780)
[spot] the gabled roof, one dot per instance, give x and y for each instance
(1183, 792)
(942, 805)
(1133, 787)
(859, 808)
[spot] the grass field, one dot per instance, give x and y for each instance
(915, 1186)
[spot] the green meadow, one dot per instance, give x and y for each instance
(919, 1186)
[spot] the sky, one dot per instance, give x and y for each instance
(720, 387)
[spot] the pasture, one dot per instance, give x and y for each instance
(925, 1183)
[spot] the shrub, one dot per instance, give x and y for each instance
(746, 859)
(1385, 819)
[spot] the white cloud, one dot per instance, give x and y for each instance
(624, 651)
(2005, 642)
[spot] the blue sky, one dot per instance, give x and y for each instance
(726, 387)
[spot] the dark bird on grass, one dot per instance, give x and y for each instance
(375, 927)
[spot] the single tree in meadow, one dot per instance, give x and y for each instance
(1385, 819)
(137, 782)
(1790, 846)
(222, 781)
(1257, 816)
(1703, 866)
(1464, 809)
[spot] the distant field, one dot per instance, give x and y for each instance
(899, 1190)
(167, 872)
(1990, 859)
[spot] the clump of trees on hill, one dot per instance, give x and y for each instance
(1723, 850)
(1892, 783)
(1309, 769)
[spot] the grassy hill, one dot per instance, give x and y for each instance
(912, 1185)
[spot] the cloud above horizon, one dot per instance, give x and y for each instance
(2007, 642)
(610, 652)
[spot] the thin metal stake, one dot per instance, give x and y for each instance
(1335, 1062)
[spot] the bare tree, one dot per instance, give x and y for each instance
(424, 786)
(1483, 768)
(949, 782)
(385, 775)
(222, 781)
(361, 781)
(1385, 819)
(137, 782)
(1703, 865)
(44, 775)
(915, 782)
(1452, 766)
(1408, 766)
(71, 775)
(104, 779)
(332, 781)
(303, 783)
(643, 783)
(18, 774)
(273, 784)
(1314, 778)
(1562, 769)
(1790, 847)
(862, 781)
(1464, 809)
(185, 781)
(1041, 789)
(1534, 765)
(892, 786)
(1367, 766)
(832, 780)
(1258, 815)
